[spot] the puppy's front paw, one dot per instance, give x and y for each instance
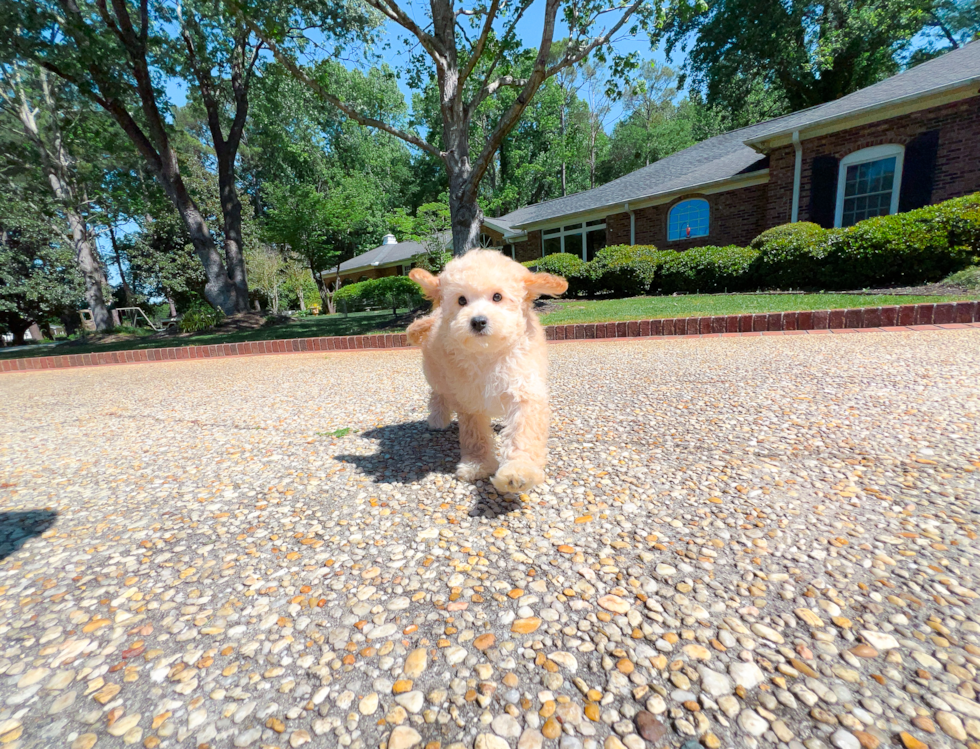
(475, 471)
(517, 476)
(439, 422)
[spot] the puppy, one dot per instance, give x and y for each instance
(483, 353)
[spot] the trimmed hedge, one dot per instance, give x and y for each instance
(909, 248)
(388, 292)
(707, 270)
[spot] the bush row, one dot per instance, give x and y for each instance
(908, 248)
(389, 292)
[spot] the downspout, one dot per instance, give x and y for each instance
(797, 175)
(626, 207)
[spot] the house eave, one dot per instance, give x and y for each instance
(948, 94)
(739, 181)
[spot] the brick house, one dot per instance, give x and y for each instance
(906, 142)
(391, 258)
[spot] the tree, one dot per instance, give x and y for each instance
(115, 55)
(265, 266)
(806, 52)
(27, 94)
(467, 72)
(38, 276)
(653, 125)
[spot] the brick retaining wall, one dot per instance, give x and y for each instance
(904, 316)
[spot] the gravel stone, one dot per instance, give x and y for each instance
(740, 543)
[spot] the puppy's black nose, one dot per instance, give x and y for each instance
(478, 323)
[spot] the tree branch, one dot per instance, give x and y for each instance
(391, 9)
(477, 52)
(505, 81)
(347, 109)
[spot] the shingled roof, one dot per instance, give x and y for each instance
(731, 156)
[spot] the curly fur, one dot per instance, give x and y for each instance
(499, 372)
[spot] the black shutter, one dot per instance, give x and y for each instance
(918, 170)
(823, 191)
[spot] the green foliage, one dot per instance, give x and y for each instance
(200, 317)
(791, 255)
(706, 270)
(562, 264)
(802, 52)
(908, 248)
(389, 292)
(621, 270)
(38, 276)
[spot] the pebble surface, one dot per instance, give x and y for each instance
(742, 543)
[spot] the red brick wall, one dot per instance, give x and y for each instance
(736, 218)
(957, 160)
(529, 250)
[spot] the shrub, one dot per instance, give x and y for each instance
(706, 270)
(562, 264)
(388, 292)
(622, 270)
(968, 278)
(908, 248)
(790, 256)
(200, 317)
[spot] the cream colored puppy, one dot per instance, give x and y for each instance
(483, 353)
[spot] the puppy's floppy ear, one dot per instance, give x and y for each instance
(545, 283)
(428, 282)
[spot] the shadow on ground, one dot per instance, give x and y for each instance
(17, 526)
(409, 452)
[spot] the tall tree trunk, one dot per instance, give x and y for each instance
(127, 291)
(173, 307)
(219, 289)
(57, 167)
(561, 113)
(466, 216)
(231, 211)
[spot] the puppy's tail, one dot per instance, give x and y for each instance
(419, 330)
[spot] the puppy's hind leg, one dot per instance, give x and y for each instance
(477, 460)
(440, 414)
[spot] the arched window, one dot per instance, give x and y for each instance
(687, 219)
(867, 184)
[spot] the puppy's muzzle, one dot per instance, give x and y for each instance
(479, 324)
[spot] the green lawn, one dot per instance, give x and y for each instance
(358, 323)
(706, 305)
(569, 311)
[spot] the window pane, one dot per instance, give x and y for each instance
(594, 241)
(570, 227)
(868, 190)
(552, 245)
(573, 244)
(688, 218)
(552, 231)
(597, 222)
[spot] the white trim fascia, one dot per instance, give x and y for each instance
(736, 182)
(951, 92)
(874, 153)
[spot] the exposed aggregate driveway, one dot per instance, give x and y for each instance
(743, 543)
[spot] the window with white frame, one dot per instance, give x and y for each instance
(868, 184)
(583, 239)
(689, 218)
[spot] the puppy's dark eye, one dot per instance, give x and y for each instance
(497, 297)
(462, 301)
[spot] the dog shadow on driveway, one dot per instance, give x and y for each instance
(409, 452)
(17, 526)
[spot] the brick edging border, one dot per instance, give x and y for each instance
(904, 316)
